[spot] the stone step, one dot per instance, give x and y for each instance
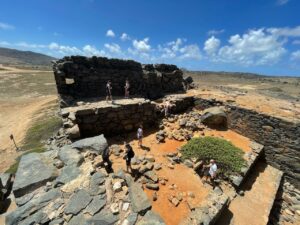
(254, 207)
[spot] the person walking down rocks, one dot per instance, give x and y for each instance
(129, 154)
(167, 107)
(127, 86)
(212, 172)
(108, 91)
(105, 157)
(140, 136)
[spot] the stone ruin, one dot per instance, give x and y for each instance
(81, 84)
(80, 78)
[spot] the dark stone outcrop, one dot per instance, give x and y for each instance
(97, 144)
(33, 172)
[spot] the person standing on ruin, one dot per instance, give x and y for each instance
(129, 154)
(108, 91)
(212, 172)
(127, 86)
(140, 136)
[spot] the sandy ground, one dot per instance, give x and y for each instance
(285, 109)
(15, 118)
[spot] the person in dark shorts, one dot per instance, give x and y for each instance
(105, 157)
(108, 91)
(129, 154)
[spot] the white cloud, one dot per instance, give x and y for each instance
(110, 33)
(141, 45)
(285, 31)
(256, 47)
(4, 43)
(190, 52)
(211, 45)
(125, 37)
(6, 26)
(295, 55)
(282, 2)
(89, 50)
(215, 32)
(113, 48)
(64, 49)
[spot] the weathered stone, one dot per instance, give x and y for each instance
(152, 186)
(138, 198)
(68, 174)
(214, 116)
(97, 144)
(104, 217)
(151, 175)
(151, 218)
(78, 201)
(5, 179)
(114, 208)
(131, 219)
(33, 172)
(96, 205)
(97, 179)
(77, 220)
(117, 187)
(73, 132)
(70, 156)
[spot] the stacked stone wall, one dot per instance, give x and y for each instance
(280, 137)
(78, 78)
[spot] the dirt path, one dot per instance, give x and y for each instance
(255, 206)
(15, 118)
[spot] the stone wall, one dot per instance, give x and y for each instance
(78, 78)
(280, 137)
(110, 120)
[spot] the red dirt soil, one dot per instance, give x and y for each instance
(185, 178)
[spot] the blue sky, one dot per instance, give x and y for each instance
(260, 36)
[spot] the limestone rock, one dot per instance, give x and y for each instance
(73, 132)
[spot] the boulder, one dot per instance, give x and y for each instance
(214, 117)
(78, 201)
(151, 175)
(68, 174)
(97, 179)
(34, 171)
(152, 186)
(151, 218)
(97, 144)
(131, 219)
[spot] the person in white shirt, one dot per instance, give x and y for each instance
(212, 172)
(140, 136)
(127, 86)
(108, 91)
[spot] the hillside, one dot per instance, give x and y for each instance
(17, 57)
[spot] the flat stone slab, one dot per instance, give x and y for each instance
(77, 202)
(104, 217)
(151, 218)
(34, 171)
(138, 198)
(70, 156)
(97, 144)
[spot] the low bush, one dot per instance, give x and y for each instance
(228, 157)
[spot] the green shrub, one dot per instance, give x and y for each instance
(228, 157)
